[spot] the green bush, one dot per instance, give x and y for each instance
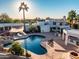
(33, 28)
(16, 49)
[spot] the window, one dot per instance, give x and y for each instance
(58, 28)
(61, 24)
(77, 43)
(54, 23)
(46, 23)
(54, 27)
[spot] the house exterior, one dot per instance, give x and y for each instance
(71, 37)
(57, 24)
(47, 25)
(44, 25)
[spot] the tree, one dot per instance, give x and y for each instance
(16, 49)
(72, 14)
(9, 20)
(5, 18)
(48, 18)
(32, 28)
(71, 17)
(77, 17)
(23, 7)
(68, 20)
(16, 21)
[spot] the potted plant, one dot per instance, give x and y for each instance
(73, 55)
(28, 55)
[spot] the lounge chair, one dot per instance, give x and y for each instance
(50, 42)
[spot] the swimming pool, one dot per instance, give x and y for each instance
(32, 43)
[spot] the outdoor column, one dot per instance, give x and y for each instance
(66, 40)
(63, 36)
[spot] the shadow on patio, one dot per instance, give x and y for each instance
(60, 42)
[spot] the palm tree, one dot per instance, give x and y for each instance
(23, 7)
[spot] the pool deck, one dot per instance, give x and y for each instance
(55, 52)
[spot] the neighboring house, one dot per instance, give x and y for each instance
(71, 37)
(4, 27)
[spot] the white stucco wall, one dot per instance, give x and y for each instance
(10, 24)
(45, 28)
(27, 27)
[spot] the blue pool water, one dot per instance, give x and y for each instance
(32, 43)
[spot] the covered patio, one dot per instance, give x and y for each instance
(71, 37)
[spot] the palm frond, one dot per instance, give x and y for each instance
(26, 8)
(20, 8)
(23, 6)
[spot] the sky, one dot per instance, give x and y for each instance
(39, 8)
